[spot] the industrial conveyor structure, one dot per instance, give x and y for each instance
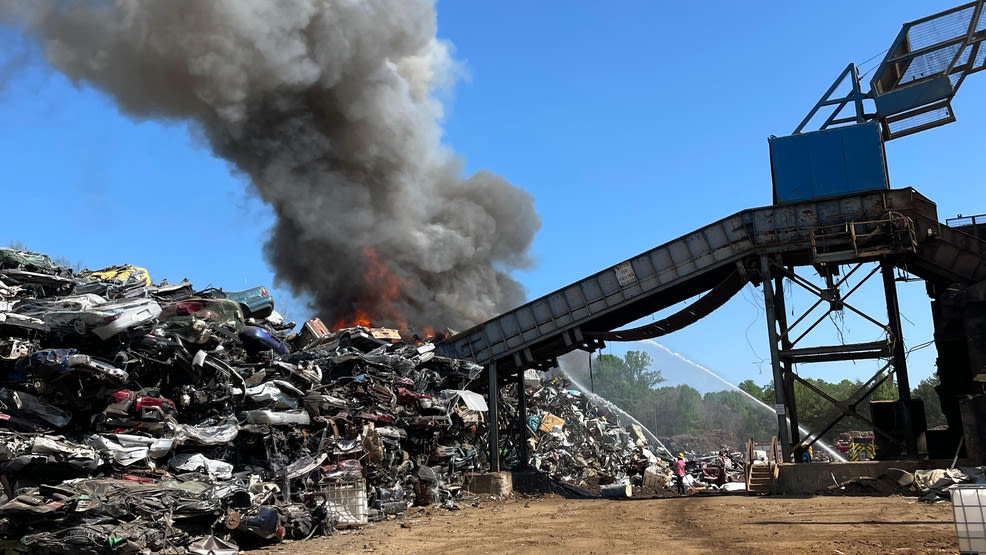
(835, 213)
(897, 228)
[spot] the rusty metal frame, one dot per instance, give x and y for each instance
(785, 357)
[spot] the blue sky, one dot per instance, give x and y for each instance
(631, 123)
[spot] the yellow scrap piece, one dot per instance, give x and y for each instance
(119, 274)
(385, 333)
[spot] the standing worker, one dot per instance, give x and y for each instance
(678, 467)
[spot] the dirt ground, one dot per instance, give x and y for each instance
(722, 524)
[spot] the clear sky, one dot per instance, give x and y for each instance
(631, 123)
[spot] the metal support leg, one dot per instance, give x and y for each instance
(494, 434)
(522, 410)
(899, 355)
(775, 362)
(787, 368)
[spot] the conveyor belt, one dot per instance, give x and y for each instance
(899, 223)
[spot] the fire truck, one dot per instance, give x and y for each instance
(857, 445)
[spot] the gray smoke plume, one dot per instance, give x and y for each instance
(329, 107)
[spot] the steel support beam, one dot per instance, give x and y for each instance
(494, 435)
(522, 418)
(899, 354)
(828, 353)
(775, 360)
(787, 367)
(850, 405)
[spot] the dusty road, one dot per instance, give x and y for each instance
(729, 524)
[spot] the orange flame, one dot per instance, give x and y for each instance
(378, 303)
(381, 280)
(358, 319)
(380, 293)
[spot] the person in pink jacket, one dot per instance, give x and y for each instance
(678, 468)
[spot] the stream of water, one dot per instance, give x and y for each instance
(656, 446)
(828, 449)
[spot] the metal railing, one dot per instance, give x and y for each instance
(963, 221)
(973, 225)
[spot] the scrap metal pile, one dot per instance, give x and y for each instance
(139, 416)
(722, 471)
(579, 441)
(928, 485)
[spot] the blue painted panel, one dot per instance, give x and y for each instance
(826, 157)
(914, 96)
(828, 163)
(790, 168)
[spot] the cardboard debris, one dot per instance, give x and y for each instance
(548, 423)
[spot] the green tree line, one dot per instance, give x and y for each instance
(731, 417)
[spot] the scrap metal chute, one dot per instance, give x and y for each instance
(572, 318)
(694, 312)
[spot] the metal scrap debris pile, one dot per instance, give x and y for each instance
(136, 416)
(722, 471)
(579, 441)
(929, 485)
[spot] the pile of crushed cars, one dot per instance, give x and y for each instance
(156, 417)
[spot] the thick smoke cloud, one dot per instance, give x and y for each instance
(328, 106)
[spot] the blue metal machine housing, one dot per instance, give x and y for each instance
(832, 162)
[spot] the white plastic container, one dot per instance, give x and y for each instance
(347, 504)
(969, 509)
(656, 477)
